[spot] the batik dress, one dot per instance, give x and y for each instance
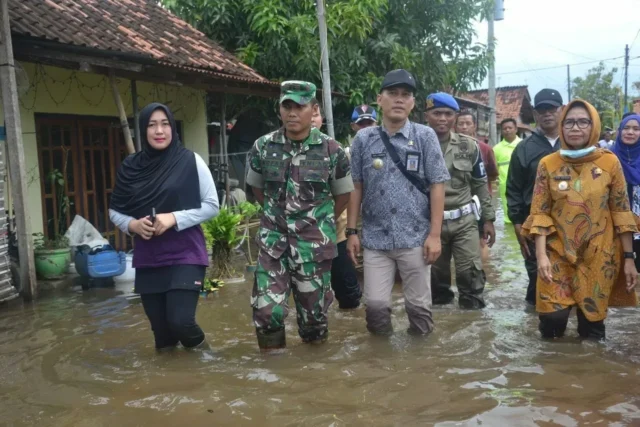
(582, 206)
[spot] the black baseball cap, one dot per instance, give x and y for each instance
(547, 98)
(399, 77)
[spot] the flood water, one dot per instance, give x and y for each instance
(87, 359)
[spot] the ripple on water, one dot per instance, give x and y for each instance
(88, 359)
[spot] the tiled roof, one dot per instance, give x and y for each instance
(127, 26)
(510, 101)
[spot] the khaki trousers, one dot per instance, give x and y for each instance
(379, 276)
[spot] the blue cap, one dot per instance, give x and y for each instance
(442, 100)
(364, 112)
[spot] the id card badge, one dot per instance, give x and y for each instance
(413, 161)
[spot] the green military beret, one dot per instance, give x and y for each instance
(297, 91)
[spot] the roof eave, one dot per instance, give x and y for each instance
(141, 67)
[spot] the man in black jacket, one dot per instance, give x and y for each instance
(522, 174)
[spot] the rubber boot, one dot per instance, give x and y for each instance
(470, 287)
(271, 340)
(315, 336)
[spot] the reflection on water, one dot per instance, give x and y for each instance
(87, 359)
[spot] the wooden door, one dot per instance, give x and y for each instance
(57, 142)
(90, 150)
(102, 149)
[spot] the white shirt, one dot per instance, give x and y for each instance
(552, 141)
(604, 144)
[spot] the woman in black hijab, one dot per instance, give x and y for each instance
(170, 255)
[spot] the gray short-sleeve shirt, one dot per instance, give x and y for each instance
(395, 215)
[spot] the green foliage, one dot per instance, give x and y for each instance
(248, 210)
(211, 285)
(40, 242)
(62, 201)
(597, 88)
(222, 235)
(279, 39)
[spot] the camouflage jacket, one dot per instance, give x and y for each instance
(299, 181)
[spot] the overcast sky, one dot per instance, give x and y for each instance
(546, 33)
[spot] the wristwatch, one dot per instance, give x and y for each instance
(629, 255)
(351, 232)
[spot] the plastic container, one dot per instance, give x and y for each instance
(101, 263)
(129, 274)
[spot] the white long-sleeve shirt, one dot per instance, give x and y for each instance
(190, 217)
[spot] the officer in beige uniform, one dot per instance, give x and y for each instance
(460, 228)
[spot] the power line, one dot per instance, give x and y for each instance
(634, 39)
(560, 66)
(534, 38)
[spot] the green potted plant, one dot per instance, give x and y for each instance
(210, 286)
(52, 254)
(250, 212)
(221, 235)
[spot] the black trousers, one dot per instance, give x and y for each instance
(172, 315)
(344, 279)
(553, 325)
(531, 264)
(636, 249)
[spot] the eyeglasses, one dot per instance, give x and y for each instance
(582, 123)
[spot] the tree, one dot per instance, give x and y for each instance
(598, 89)
(279, 39)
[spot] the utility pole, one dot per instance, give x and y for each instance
(626, 78)
(17, 166)
(136, 115)
(326, 79)
(568, 83)
(498, 15)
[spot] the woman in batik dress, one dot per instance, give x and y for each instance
(583, 228)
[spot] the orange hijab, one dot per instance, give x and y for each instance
(596, 127)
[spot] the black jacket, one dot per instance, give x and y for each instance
(522, 174)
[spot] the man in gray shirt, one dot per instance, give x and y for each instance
(400, 224)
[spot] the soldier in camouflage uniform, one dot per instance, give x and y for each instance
(303, 179)
(459, 229)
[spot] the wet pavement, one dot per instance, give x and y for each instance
(87, 359)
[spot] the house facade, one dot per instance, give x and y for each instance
(71, 129)
(511, 102)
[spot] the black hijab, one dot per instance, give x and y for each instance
(166, 180)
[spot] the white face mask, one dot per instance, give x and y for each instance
(576, 154)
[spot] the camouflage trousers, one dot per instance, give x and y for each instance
(274, 281)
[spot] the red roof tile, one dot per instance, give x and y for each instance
(128, 26)
(510, 101)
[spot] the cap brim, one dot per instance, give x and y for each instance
(548, 104)
(408, 86)
(300, 100)
(365, 117)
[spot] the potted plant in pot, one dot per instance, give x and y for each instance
(250, 214)
(221, 235)
(53, 254)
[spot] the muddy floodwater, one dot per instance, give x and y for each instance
(87, 359)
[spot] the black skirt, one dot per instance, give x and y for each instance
(157, 280)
